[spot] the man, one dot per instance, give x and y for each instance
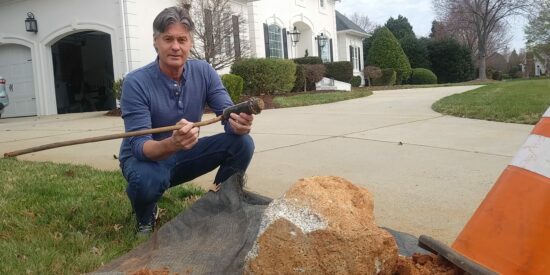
(174, 90)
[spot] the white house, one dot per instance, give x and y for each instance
(80, 47)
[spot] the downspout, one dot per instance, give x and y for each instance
(124, 36)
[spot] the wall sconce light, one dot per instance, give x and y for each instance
(321, 40)
(294, 36)
(30, 23)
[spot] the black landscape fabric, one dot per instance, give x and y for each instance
(213, 236)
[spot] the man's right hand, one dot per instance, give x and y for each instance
(187, 136)
(183, 139)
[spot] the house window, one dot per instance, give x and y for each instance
(354, 58)
(322, 3)
(275, 41)
(325, 53)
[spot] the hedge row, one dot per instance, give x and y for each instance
(265, 76)
(271, 76)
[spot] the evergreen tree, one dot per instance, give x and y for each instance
(386, 52)
(400, 27)
(451, 62)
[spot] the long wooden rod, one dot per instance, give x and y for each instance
(107, 137)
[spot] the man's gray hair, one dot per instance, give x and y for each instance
(170, 16)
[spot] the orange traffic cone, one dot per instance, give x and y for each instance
(510, 231)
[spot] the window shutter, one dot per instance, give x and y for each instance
(285, 46)
(331, 52)
(359, 57)
(236, 37)
(266, 41)
(319, 50)
(351, 54)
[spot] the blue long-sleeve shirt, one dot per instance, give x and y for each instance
(150, 99)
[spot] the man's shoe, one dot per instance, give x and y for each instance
(146, 229)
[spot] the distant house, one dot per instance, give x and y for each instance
(350, 42)
(535, 64)
(80, 48)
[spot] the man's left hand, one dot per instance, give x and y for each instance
(241, 123)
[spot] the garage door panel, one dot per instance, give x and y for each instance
(16, 68)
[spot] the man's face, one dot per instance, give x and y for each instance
(173, 46)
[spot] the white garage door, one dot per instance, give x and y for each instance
(16, 68)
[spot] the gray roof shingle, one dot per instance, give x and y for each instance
(344, 24)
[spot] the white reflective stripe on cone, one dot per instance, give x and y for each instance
(534, 155)
(547, 114)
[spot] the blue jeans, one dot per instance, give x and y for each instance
(147, 180)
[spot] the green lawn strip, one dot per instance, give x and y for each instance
(511, 101)
(306, 99)
(68, 219)
(323, 97)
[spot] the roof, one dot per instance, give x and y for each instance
(344, 24)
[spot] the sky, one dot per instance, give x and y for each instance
(419, 13)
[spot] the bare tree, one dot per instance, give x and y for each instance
(217, 38)
(362, 21)
(482, 23)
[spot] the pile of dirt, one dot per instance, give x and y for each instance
(426, 264)
(322, 225)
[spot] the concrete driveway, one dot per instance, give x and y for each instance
(427, 172)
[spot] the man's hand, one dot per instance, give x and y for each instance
(241, 123)
(186, 137)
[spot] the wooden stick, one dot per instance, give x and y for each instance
(107, 137)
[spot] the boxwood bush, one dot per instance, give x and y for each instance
(423, 76)
(356, 81)
(341, 70)
(388, 78)
(234, 85)
(265, 76)
(308, 60)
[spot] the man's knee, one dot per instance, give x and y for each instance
(247, 144)
(146, 183)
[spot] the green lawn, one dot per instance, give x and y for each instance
(306, 99)
(67, 219)
(518, 101)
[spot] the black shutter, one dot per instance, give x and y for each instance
(266, 41)
(359, 57)
(285, 46)
(331, 52)
(236, 37)
(351, 54)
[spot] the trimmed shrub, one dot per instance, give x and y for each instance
(341, 70)
(356, 81)
(423, 76)
(117, 88)
(234, 86)
(497, 75)
(371, 73)
(308, 60)
(300, 78)
(386, 52)
(265, 76)
(388, 78)
(314, 73)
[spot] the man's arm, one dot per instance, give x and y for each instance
(182, 139)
